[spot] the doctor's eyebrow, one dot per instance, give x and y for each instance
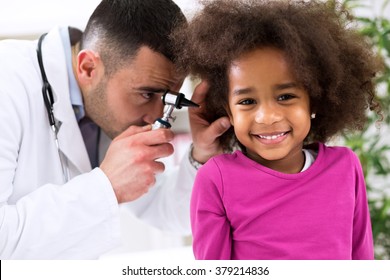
(153, 90)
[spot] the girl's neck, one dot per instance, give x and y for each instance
(293, 163)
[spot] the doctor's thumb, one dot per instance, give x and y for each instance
(220, 126)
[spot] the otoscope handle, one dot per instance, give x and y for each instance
(160, 123)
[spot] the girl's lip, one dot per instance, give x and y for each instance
(272, 138)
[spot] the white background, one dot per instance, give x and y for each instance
(28, 18)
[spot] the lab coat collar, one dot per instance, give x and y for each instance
(69, 135)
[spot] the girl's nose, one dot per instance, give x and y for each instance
(267, 114)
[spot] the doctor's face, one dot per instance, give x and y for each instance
(131, 95)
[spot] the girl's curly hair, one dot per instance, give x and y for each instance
(326, 54)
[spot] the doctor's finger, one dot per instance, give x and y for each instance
(133, 130)
(200, 92)
(158, 151)
(158, 167)
(217, 128)
(154, 137)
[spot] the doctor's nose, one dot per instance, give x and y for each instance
(154, 112)
(267, 114)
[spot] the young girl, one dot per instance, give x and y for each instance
(289, 75)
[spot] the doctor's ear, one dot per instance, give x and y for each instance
(87, 66)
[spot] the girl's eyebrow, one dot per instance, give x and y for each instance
(242, 91)
(276, 87)
(285, 86)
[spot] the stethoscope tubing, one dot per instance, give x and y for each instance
(48, 99)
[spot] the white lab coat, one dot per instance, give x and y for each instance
(40, 216)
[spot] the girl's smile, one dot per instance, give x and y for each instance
(271, 138)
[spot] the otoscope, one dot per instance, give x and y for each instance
(173, 100)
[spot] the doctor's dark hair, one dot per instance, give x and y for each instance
(325, 53)
(118, 28)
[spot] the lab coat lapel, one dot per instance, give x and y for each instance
(69, 135)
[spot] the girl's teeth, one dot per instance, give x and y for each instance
(271, 137)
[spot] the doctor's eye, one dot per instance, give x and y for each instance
(148, 95)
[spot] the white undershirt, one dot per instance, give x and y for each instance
(310, 157)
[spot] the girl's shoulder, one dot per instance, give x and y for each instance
(322, 148)
(337, 150)
(330, 153)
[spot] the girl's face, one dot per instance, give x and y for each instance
(269, 110)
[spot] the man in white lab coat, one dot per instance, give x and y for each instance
(62, 201)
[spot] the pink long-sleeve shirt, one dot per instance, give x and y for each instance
(243, 210)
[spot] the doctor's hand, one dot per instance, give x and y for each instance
(131, 160)
(205, 135)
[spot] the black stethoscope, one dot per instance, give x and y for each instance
(48, 99)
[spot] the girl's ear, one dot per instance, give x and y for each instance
(231, 120)
(229, 114)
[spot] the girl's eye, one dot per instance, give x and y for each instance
(246, 102)
(285, 97)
